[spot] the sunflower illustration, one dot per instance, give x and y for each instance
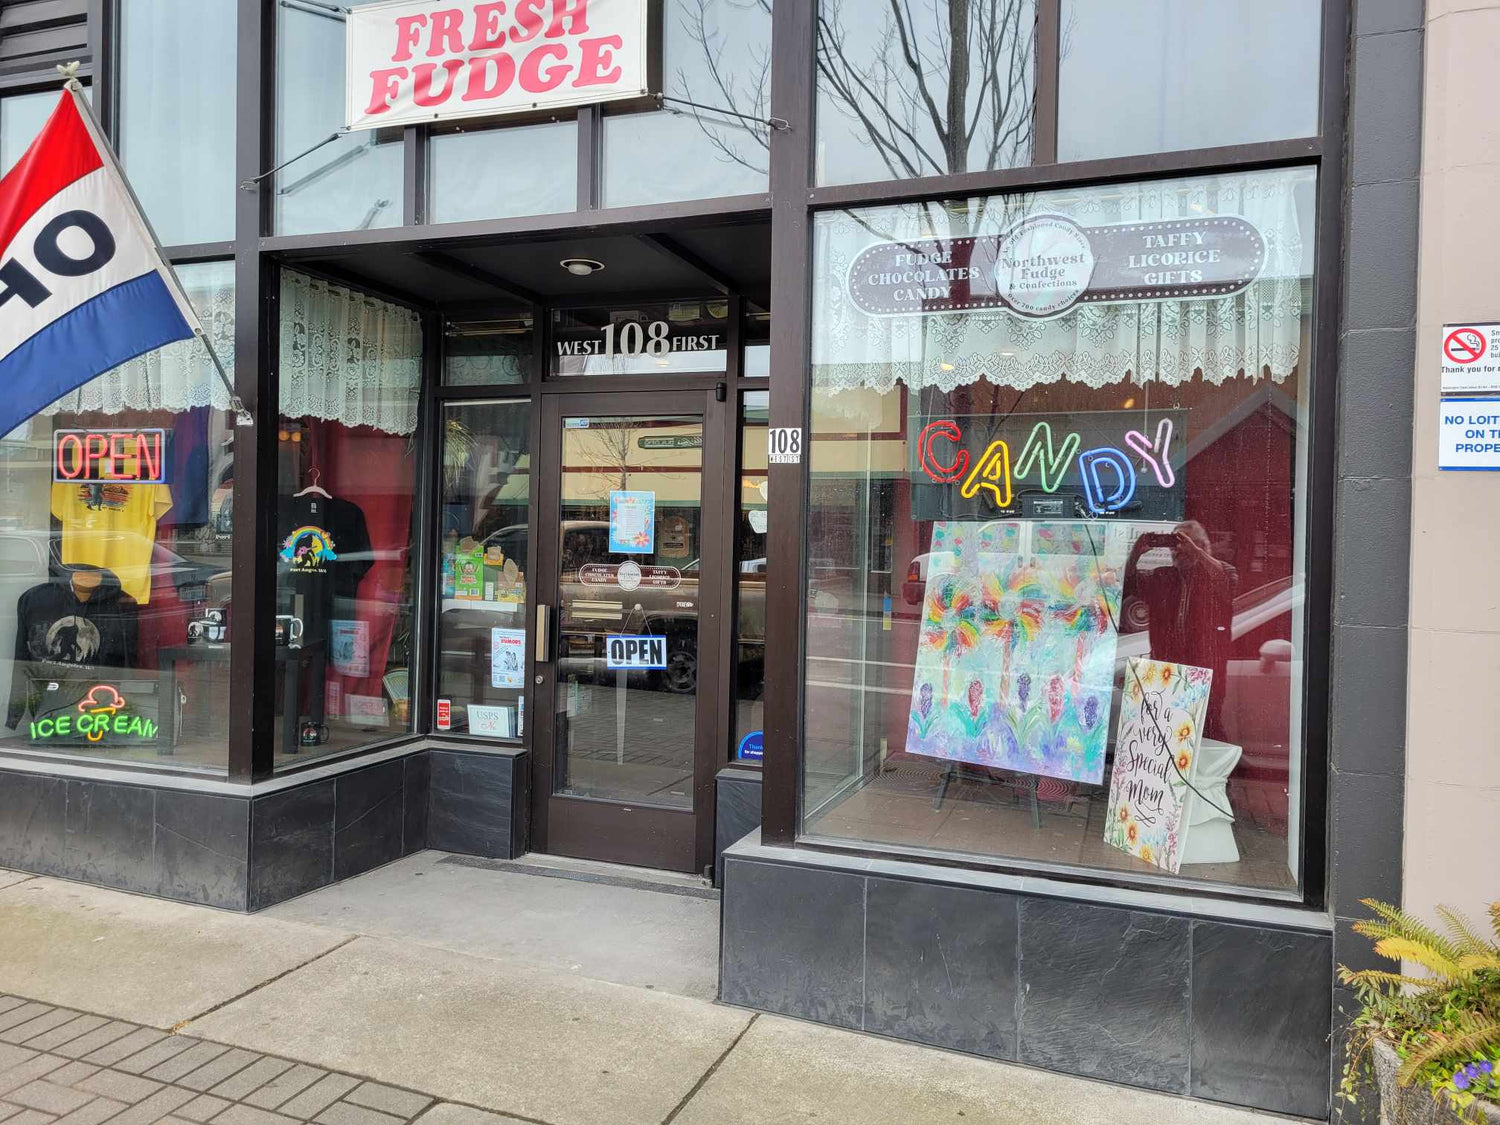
(1146, 853)
(1185, 732)
(1184, 759)
(1124, 814)
(1132, 833)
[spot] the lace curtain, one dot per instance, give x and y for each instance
(179, 376)
(345, 357)
(472, 370)
(1255, 333)
(348, 357)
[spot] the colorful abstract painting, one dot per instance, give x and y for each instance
(1015, 659)
(1156, 759)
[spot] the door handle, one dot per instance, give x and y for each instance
(543, 634)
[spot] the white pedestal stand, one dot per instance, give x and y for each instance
(1210, 831)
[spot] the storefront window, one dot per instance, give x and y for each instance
(21, 119)
(750, 581)
(177, 115)
(757, 354)
(929, 89)
(353, 183)
(1165, 75)
(351, 373)
(485, 352)
(1056, 537)
(717, 54)
(501, 173)
(484, 569)
(115, 537)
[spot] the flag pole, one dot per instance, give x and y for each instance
(69, 71)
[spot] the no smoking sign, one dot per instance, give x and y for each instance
(1471, 357)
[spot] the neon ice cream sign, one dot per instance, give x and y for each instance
(1106, 474)
(98, 716)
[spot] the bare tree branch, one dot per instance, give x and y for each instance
(940, 87)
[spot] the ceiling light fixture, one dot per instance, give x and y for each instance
(581, 267)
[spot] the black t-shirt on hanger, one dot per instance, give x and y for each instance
(324, 553)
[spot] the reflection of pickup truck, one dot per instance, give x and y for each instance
(594, 605)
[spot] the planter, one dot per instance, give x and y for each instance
(1415, 1105)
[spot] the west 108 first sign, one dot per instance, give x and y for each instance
(413, 61)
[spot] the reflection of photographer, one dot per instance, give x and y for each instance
(1191, 606)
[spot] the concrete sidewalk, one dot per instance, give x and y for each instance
(448, 991)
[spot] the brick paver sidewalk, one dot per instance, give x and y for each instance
(73, 1068)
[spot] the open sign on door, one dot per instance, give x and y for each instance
(635, 652)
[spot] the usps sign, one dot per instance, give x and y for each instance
(412, 61)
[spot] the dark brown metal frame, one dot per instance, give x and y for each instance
(792, 201)
(793, 94)
(623, 832)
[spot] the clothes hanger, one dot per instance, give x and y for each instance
(313, 489)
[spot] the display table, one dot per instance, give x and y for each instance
(291, 661)
(1210, 830)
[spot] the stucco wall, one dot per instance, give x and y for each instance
(1453, 740)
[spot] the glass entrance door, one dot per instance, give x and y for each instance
(630, 626)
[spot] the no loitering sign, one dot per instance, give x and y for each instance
(1469, 434)
(1471, 358)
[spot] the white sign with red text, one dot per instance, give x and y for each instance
(410, 61)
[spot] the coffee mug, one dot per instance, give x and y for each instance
(289, 631)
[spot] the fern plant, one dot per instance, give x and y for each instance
(1443, 1022)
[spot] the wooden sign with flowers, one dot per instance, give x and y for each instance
(1156, 759)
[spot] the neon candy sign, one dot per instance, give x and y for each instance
(1052, 465)
(1106, 473)
(1155, 453)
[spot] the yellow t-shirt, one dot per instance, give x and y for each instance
(113, 526)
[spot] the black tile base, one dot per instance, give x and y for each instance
(110, 831)
(1105, 993)
(1262, 1008)
(192, 847)
(1236, 1013)
(238, 853)
(33, 811)
(793, 941)
(291, 843)
(736, 812)
(203, 848)
(369, 818)
(941, 966)
(478, 803)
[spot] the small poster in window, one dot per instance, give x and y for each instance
(349, 647)
(508, 658)
(676, 538)
(632, 523)
(366, 710)
(1156, 759)
(491, 721)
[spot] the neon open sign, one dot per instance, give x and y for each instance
(119, 456)
(1106, 457)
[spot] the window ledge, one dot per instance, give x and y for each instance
(1196, 906)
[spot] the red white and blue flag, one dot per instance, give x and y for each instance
(83, 287)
